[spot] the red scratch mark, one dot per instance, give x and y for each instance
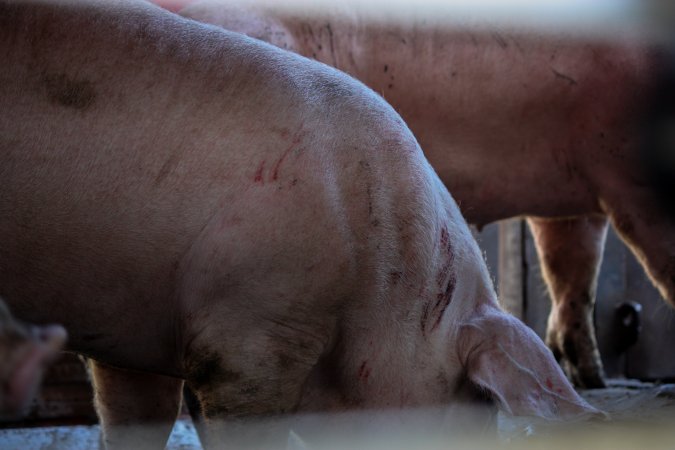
(275, 172)
(297, 139)
(443, 273)
(364, 371)
(443, 300)
(445, 279)
(444, 237)
(259, 174)
(446, 245)
(549, 385)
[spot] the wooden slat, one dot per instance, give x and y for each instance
(512, 270)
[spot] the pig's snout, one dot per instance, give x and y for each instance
(30, 361)
(53, 337)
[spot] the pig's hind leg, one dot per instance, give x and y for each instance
(570, 252)
(136, 409)
(647, 227)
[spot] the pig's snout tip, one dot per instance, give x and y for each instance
(53, 336)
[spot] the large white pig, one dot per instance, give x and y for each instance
(546, 126)
(25, 351)
(195, 205)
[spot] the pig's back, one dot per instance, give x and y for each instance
(130, 145)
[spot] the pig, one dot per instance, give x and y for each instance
(515, 124)
(25, 351)
(196, 206)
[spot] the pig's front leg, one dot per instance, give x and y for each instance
(238, 407)
(251, 375)
(137, 410)
(570, 252)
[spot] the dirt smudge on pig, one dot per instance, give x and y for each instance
(499, 39)
(168, 167)
(285, 361)
(571, 81)
(425, 317)
(66, 91)
(395, 277)
(207, 369)
(365, 167)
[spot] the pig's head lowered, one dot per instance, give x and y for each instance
(508, 362)
(25, 350)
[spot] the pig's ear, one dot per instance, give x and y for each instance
(507, 359)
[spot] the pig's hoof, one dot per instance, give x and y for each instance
(579, 358)
(589, 379)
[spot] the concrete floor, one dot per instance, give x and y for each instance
(642, 417)
(85, 437)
